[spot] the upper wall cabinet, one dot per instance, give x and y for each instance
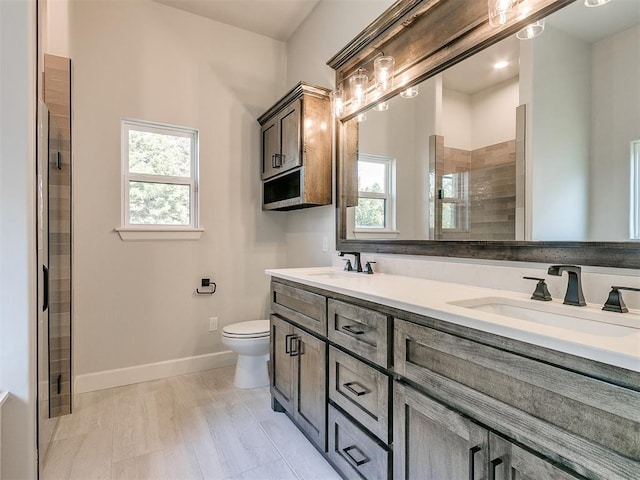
(296, 150)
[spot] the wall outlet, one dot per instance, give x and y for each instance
(325, 244)
(213, 324)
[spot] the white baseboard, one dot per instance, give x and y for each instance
(151, 371)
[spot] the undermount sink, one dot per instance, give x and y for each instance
(580, 319)
(333, 275)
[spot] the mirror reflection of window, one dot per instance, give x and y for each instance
(375, 188)
(455, 200)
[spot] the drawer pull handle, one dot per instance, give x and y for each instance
(492, 468)
(353, 329)
(357, 463)
(364, 390)
(472, 463)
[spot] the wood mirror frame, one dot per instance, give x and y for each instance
(425, 37)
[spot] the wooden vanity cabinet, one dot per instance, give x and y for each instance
(296, 150)
(298, 377)
(393, 394)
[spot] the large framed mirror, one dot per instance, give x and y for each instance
(489, 144)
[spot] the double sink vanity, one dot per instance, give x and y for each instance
(407, 378)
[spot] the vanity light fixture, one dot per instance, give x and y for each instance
(358, 83)
(381, 107)
(337, 102)
(502, 12)
(595, 3)
(410, 92)
(383, 72)
(531, 31)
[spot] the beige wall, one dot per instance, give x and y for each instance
(134, 301)
(18, 299)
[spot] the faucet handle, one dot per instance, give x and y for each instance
(347, 265)
(541, 292)
(615, 303)
(368, 269)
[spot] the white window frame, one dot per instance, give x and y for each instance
(134, 231)
(389, 229)
(461, 201)
(634, 217)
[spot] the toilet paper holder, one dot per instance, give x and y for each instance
(206, 283)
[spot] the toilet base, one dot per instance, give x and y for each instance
(251, 372)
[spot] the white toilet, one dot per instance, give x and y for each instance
(250, 340)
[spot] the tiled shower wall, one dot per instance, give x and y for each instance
(490, 192)
(57, 96)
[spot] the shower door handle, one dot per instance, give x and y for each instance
(45, 287)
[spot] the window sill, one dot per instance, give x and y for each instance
(375, 234)
(132, 234)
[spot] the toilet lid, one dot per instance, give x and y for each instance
(250, 328)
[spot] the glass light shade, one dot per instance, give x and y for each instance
(502, 12)
(595, 3)
(337, 102)
(381, 107)
(383, 71)
(531, 31)
(410, 92)
(361, 117)
(358, 83)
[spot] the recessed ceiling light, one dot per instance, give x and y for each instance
(499, 65)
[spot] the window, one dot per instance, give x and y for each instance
(375, 208)
(454, 201)
(160, 176)
(635, 190)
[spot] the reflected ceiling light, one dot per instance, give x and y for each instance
(361, 117)
(381, 107)
(531, 31)
(383, 73)
(358, 83)
(500, 65)
(595, 3)
(502, 12)
(410, 92)
(337, 102)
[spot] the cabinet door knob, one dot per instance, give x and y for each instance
(363, 458)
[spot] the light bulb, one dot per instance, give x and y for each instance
(502, 12)
(358, 84)
(383, 71)
(337, 101)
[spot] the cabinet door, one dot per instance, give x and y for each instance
(270, 149)
(282, 363)
(311, 386)
(510, 462)
(433, 442)
(290, 137)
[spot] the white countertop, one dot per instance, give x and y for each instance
(612, 342)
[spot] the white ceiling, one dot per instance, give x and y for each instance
(277, 19)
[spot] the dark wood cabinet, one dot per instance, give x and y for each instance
(298, 377)
(296, 150)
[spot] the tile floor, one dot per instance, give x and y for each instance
(195, 426)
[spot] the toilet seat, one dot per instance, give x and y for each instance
(249, 329)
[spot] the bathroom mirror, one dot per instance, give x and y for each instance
(532, 161)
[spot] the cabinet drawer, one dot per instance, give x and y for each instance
(360, 330)
(353, 452)
(299, 306)
(361, 391)
(604, 415)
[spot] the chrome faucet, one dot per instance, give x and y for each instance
(357, 265)
(574, 295)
